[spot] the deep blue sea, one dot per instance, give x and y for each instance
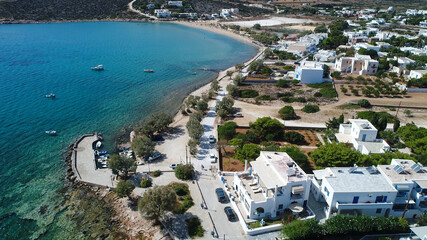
(38, 59)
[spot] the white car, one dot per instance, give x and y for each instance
(212, 158)
(173, 166)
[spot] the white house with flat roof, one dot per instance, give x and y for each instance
(353, 191)
(415, 74)
(162, 13)
(175, 3)
(309, 72)
(359, 64)
(410, 180)
(363, 135)
(274, 182)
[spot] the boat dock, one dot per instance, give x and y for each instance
(84, 166)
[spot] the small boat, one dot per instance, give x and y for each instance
(194, 73)
(51, 133)
(98, 68)
(148, 70)
(50, 95)
(98, 144)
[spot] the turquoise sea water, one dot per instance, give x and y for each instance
(37, 59)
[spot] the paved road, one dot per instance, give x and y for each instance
(209, 182)
(130, 6)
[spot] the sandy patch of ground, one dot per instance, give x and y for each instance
(302, 27)
(274, 21)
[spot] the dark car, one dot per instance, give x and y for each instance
(230, 214)
(221, 195)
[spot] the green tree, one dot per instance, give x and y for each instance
(202, 105)
(157, 201)
(396, 125)
(195, 129)
(408, 112)
(237, 80)
(124, 188)
(184, 172)
(256, 66)
(192, 144)
(121, 165)
(335, 155)
(321, 29)
(310, 108)
(266, 71)
(334, 123)
(257, 26)
(229, 73)
(143, 146)
(282, 83)
(233, 90)
(226, 105)
(267, 128)
(239, 66)
(238, 142)
(145, 183)
(287, 113)
(268, 53)
(227, 131)
(155, 123)
(294, 138)
(215, 85)
(364, 103)
(301, 229)
(248, 151)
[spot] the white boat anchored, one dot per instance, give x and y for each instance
(98, 144)
(98, 68)
(50, 95)
(51, 132)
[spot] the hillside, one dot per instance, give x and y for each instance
(44, 10)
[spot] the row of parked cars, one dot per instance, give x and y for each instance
(222, 198)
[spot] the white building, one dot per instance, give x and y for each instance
(162, 13)
(404, 61)
(299, 48)
(359, 64)
(273, 183)
(226, 13)
(363, 135)
(175, 3)
(410, 180)
(325, 55)
(415, 51)
(309, 72)
(353, 191)
(415, 74)
(366, 46)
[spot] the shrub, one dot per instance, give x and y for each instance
(294, 137)
(248, 151)
(194, 227)
(328, 92)
(157, 173)
(282, 83)
(287, 99)
(285, 94)
(145, 183)
(184, 172)
(287, 113)
(265, 98)
(248, 93)
(336, 75)
(124, 188)
(227, 131)
(298, 229)
(180, 189)
(364, 103)
(300, 99)
(310, 108)
(267, 128)
(318, 94)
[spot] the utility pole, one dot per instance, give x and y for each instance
(398, 108)
(186, 156)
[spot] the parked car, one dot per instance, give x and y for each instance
(238, 114)
(173, 166)
(222, 198)
(212, 158)
(211, 139)
(139, 163)
(230, 214)
(154, 156)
